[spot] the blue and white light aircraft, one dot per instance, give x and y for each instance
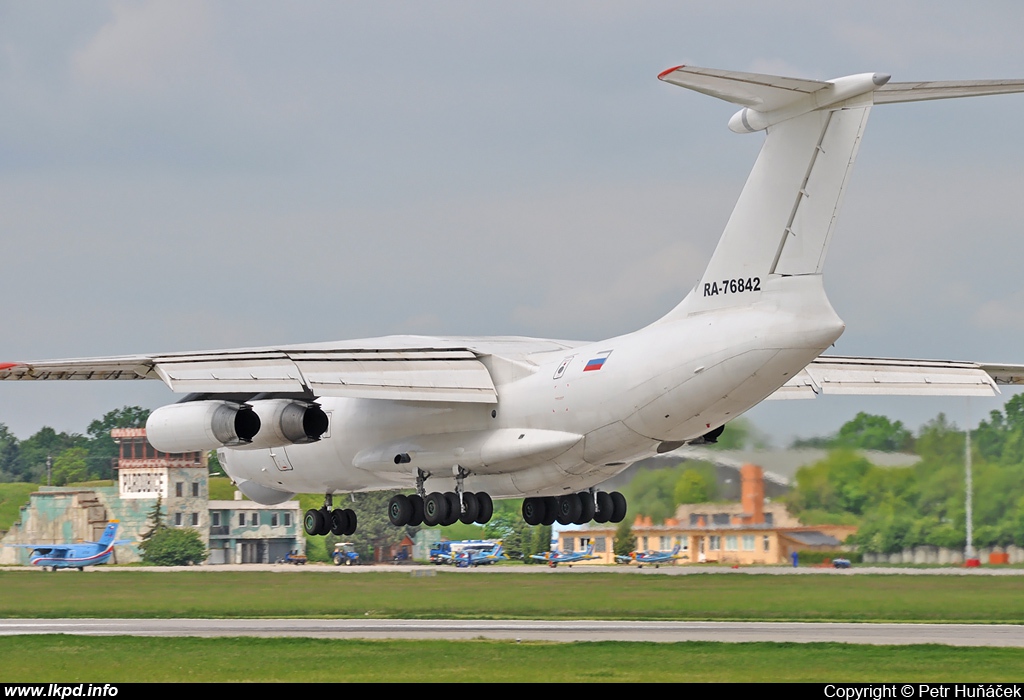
(475, 556)
(76, 556)
(474, 418)
(652, 557)
(556, 557)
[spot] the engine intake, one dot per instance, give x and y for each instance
(201, 425)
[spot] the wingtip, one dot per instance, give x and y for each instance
(662, 74)
(9, 365)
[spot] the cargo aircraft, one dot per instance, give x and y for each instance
(462, 420)
(75, 556)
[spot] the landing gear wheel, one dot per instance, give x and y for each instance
(313, 522)
(454, 508)
(604, 508)
(417, 510)
(550, 510)
(533, 510)
(483, 516)
(340, 522)
(435, 509)
(399, 510)
(618, 507)
(587, 508)
(353, 522)
(569, 509)
(472, 504)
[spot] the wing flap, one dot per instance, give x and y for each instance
(447, 374)
(874, 376)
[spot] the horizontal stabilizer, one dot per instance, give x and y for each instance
(872, 376)
(760, 92)
(944, 89)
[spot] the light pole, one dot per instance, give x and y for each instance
(969, 488)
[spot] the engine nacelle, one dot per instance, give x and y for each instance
(287, 422)
(201, 425)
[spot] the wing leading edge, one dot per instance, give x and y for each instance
(875, 376)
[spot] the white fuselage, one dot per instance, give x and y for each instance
(557, 426)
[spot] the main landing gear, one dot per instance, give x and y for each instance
(575, 508)
(329, 520)
(440, 509)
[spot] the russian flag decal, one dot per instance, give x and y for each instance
(598, 362)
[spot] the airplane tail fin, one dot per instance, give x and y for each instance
(786, 214)
(109, 533)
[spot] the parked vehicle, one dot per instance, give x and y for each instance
(345, 553)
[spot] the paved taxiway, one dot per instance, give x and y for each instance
(560, 631)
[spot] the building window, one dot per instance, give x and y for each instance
(195, 489)
(241, 520)
(731, 543)
(254, 519)
(568, 544)
(177, 519)
(179, 489)
(287, 519)
(721, 519)
(748, 543)
(715, 543)
(599, 544)
(769, 519)
(215, 519)
(666, 542)
(767, 543)
(273, 519)
(685, 544)
(195, 520)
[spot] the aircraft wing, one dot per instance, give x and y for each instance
(443, 372)
(892, 377)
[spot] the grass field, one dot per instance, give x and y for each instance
(126, 659)
(494, 595)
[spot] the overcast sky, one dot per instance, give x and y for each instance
(191, 175)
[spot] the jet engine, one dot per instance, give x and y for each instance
(287, 422)
(201, 425)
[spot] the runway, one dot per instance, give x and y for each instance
(540, 630)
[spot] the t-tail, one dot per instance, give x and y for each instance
(786, 214)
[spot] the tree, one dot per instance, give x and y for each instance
(70, 466)
(156, 517)
(624, 540)
(869, 432)
(172, 546)
(693, 487)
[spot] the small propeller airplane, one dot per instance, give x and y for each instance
(75, 556)
(651, 557)
(475, 556)
(556, 557)
(551, 420)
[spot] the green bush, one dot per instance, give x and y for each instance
(170, 546)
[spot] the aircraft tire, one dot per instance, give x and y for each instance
(550, 510)
(472, 508)
(603, 512)
(586, 508)
(313, 522)
(339, 522)
(569, 509)
(353, 522)
(416, 501)
(454, 508)
(435, 509)
(483, 516)
(399, 510)
(533, 510)
(619, 507)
